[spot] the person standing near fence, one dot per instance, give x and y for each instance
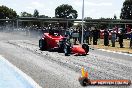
(80, 35)
(113, 38)
(95, 36)
(131, 39)
(130, 33)
(121, 39)
(87, 36)
(90, 35)
(84, 35)
(106, 37)
(128, 29)
(75, 35)
(67, 34)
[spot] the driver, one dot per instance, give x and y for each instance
(51, 31)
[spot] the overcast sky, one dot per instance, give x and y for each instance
(93, 8)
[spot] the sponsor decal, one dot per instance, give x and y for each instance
(85, 81)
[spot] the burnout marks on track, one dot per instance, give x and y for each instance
(98, 66)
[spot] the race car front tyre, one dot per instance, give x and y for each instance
(67, 50)
(61, 47)
(42, 44)
(85, 47)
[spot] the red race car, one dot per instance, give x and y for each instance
(56, 42)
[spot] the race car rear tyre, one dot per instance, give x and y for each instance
(61, 47)
(85, 47)
(67, 50)
(42, 44)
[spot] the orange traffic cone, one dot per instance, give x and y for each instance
(84, 74)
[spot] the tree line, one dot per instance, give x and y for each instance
(63, 11)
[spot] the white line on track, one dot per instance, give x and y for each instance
(115, 52)
(29, 79)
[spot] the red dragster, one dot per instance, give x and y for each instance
(59, 43)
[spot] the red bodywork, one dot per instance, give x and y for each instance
(77, 49)
(52, 42)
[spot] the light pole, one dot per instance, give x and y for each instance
(82, 21)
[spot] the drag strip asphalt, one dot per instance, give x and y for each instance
(54, 70)
(112, 54)
(12, 77)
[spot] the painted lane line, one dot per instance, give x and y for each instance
(115, 52)
(25, 76)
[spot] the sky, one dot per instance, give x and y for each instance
(93, 8)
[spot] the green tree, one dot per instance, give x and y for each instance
(65, 11)
(115, 17)
(6, 12)
(25, 14)
(43, 16)
(36, 13)
(126, 11)
(26, 23)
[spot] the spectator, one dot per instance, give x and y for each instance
(113, 38)
(121, 39)
(75, 35)
(84, 35)
(106, 37)
(80, 35)
(128, 29)
(87, 35)
(71, 31)
(95, 36)
(67, 34)
(91, 35)
(116, 29)
(130, 33)
(131, 39)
